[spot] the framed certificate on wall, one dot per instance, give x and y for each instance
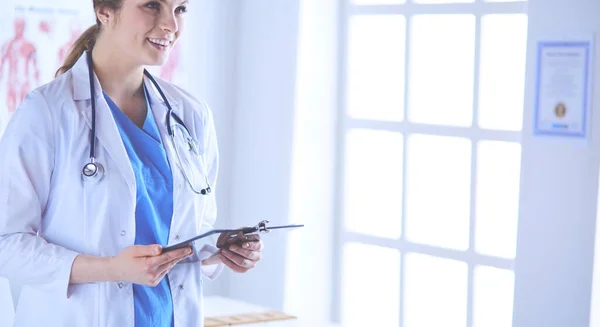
(562, 90)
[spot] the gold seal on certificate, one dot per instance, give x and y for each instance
(560, 110)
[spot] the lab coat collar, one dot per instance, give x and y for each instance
(154, 95)
(81, 82)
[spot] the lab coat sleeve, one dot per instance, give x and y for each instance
(204, 248)
(26, 165)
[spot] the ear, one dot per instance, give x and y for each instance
(105, 15)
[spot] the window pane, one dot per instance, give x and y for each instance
(502, 75)
(370, 297)
(435, 292)
(438, 191)
(373, 190)
(376, 67)
(441, 69)
(493, 297)
(497, 207)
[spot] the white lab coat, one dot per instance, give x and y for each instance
(48, 215)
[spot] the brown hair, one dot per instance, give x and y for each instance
(87, 40)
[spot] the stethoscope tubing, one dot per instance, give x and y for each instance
(94, 171)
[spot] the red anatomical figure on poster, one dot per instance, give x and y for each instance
(75, 32)
(18, 55)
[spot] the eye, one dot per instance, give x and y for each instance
(153, 5)
(181, 10)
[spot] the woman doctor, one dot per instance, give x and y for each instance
(101, 167)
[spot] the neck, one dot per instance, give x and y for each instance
(120, 79)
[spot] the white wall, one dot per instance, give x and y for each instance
(262, 137)
(285, 151)
(309, 263)
(559, 181)
(211, 41)
(282, 146)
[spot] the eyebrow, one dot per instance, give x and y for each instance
(182, 3)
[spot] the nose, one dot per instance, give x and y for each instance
(168, 22)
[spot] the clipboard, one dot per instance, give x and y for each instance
(261, 227)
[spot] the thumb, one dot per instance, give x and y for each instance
(146, 250)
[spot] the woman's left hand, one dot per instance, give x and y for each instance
(242, 252)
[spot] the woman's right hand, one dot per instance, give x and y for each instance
(145, 264)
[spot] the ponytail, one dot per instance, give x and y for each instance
(84, 43)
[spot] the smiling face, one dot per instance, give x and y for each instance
(145, 31)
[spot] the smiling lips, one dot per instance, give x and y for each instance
(160, 43)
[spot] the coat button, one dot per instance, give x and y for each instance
(123, 233)
(121, 285)
(177, 237)
(181, 287)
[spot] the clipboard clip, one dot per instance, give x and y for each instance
(261, 227)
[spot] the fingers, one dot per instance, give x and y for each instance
(165, 268)
(232, 265)
(238, 239)
(247, 238)
(170, 264)
(253, 245)
(241, 262)
(250, 251)
(157, 267)
(158, 277)
(146, 250)
(232, 238)
(169, 256)
(224, 239)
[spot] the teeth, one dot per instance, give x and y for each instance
(160, 42)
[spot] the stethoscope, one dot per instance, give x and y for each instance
(94, 171)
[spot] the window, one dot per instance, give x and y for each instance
(432, 104)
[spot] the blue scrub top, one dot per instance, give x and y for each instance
(154, 208)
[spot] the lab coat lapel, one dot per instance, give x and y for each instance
(160, 110)
(107, 132)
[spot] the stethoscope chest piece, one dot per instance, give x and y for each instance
(92, 172)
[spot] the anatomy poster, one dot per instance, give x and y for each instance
(34, 39)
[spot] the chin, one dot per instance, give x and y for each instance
(156, 61)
